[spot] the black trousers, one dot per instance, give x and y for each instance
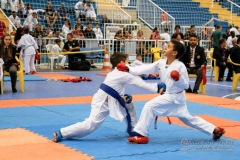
(198, 72)
(222, 69)
(13, 74)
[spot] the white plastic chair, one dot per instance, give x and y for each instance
(52, 58)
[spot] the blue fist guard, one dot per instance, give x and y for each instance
(160, 86)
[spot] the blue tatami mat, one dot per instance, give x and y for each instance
(27, 78)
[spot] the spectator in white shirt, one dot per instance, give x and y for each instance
(90, 12)
(19, 6)
(98, 32)
(15, 19)
(66, 28)
(230, 38)
(31, 21)
(234, 29)
(56, 49)
(166, 35)
(80, 8)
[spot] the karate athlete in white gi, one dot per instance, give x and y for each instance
(108, 101)
(174, 75)
(29, 48)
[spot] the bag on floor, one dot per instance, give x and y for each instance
(81, 65)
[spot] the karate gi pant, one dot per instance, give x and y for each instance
(164, 106)
(96, 118)
(29, 63)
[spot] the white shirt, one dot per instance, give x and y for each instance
(166, 37)
(89, 9)
(56, 48)
(98, 32)
(79, 6)
(192, 64)
(65, 30)
(30, 21)
(17, 5)
(235, 30)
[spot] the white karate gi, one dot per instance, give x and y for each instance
(17, 5)
(90, 12)
(98, 33)
(79, 9)
(104, 104)
(136, 62)
(16, 21)
(30, 22)
(28, 46)
(172, 102)
(56, 49)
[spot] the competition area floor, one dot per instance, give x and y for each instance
(28, 120)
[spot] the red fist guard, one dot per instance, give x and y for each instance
(175, 75)
(122, 67)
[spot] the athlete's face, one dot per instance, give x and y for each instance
(169, 51)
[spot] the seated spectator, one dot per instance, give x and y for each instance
(221, 56)
(192, 31)
(164, 18)
(179, 38)
(105, 19)
(98, 32)
(177, 31)
(15, 19)
(90, 12)
(227, 34)
(77, 33)
(66, 28)
(56, 49)
(29, 9)
(56, 34)
(78, 23)
(62, 13)
(72, 46)
(7, 6)
(80, 10)
(194, 59)
(31, 21)
(38, 34)
(88, 32)
(50, 15)
(235, 56)
(19, 7)
(209, 34)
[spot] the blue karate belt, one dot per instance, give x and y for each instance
(117, 96)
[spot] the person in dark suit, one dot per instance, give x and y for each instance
(194, 58)
(8, 53)
(235, 56)
(221, 55)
